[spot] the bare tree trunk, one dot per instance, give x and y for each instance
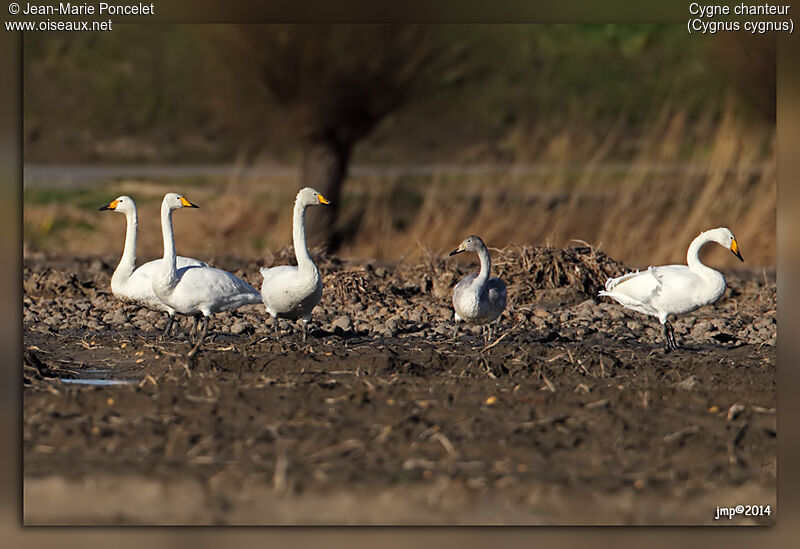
(324, 168)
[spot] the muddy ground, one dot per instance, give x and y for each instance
(571, 414)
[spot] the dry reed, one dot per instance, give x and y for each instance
(642, 211)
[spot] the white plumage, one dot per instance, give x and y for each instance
(293, 292)
(132, 284)
(195, 290)
(674, 289)
(477, 298)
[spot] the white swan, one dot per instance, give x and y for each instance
(293, 292)
(478, 299)
(196, 290)
(674, 289)
(136, 285)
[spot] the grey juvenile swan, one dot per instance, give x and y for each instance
(478, 299)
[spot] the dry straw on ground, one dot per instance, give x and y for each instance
(643, 211)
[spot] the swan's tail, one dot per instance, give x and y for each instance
(611, 283)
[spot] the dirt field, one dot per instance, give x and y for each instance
(572, 414)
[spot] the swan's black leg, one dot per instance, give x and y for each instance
(167, 326)
(193, 329)
(206, 320)
(200, 338)
(305, 330)
(673, 344)
(276, 325)
(665, 332)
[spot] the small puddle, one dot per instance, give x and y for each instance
(91, 381)
(96, 377)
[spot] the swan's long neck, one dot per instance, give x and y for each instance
(693, 254)
(486, 265)
(299, 237)
(127, 262)
(168, 265)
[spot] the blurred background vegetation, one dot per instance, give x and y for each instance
(633, 138)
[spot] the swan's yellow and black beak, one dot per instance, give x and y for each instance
(735, 250)
(110, 206)
(323, 200)
(186, 204)
(458, 250)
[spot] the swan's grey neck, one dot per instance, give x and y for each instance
(127, 262)
(486, 265)
(168, 265)
(299, 236)
(693, 254)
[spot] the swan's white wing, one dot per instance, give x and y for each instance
(211, 289)
(213, 282)
(675, 279)
(139, 286)
(682, 290)
(640, 286)
(635, 291)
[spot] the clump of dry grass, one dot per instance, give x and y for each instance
(429, 276)
(347, 285)
(529, 269)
